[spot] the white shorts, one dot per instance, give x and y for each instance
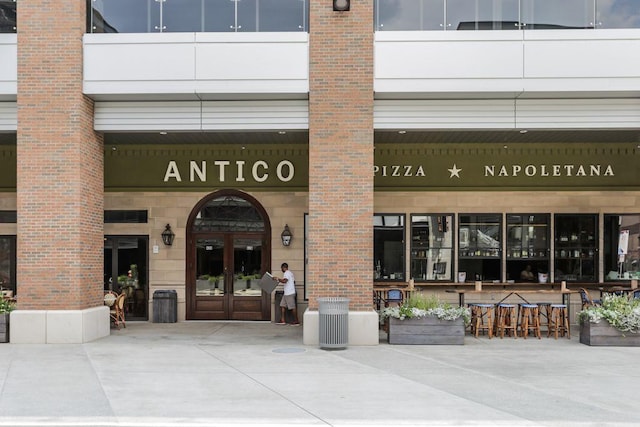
(288, 301)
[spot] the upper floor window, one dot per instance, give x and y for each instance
(429, 15)
(158, 16)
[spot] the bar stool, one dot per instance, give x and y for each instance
(544, 310)
(529, 318)
(480, 312)
(506, 318)
(559, 321)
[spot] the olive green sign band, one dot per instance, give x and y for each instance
(406, 167)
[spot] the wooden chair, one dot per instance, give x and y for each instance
(586, 299)
(117, 311)
(110, 298)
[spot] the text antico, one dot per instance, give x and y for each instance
(227, 169)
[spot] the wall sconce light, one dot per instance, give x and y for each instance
(168, 235)
(341, 5)
(286, 236)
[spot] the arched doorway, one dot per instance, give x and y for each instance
(228, 251)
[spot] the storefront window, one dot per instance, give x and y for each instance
(576, 240)
(431, 247)
(125, 270)
(388, 247)
(528, 247)
(480, 237)
(621, 247)
(8, 263)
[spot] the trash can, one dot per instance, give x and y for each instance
(334, 322)
(165, 306)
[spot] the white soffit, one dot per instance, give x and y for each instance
(8, 116)
(620, 113)
(197, 115)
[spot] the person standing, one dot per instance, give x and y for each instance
(289, 298)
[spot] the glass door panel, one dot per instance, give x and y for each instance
(210, 267)
(247, 264)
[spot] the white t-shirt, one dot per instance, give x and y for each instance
(290, 286)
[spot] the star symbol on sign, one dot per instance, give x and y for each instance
(454, 171)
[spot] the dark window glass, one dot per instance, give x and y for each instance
(431, 247)
(8, 263)
(118, 217)
(621, 247)
(229, 213)
(528, 246)
(388, 247)
(125, 270)
(480, 237)
(576, 240)
(125, 16)
(182, 16)
(10, 217)
(8, 16)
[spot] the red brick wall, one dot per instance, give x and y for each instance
(341, 153)
(60, 163)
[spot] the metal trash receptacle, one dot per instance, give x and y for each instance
(334, 322)
(165, 306)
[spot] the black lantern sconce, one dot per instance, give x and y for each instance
(168, 235)
(341, 5)
(286, 236)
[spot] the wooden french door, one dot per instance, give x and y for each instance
(226, 257)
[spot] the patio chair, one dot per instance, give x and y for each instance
(635, 294)
(394, 296)
(587, 301)
(117, 311)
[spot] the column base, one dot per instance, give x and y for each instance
(59, 326)
(363, 328)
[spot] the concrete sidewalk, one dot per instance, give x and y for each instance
(243, 373)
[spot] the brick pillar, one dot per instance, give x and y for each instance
(341, 154)
(59, 164)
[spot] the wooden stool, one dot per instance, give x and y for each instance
(544, 309)
(506, 319)
(559, 321)
(478, 314)
(529, 318)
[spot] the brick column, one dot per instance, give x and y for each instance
(341, 154)
(59, 164)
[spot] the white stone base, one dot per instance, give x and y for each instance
(59, 326)
(363, 328)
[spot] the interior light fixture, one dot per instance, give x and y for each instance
(341, 5)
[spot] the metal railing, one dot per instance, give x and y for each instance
(149, 16)
(447, 15)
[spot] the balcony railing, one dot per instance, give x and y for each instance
(150, 16)
(444, 15)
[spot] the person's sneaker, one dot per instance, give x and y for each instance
(280, 323)
(295, 324)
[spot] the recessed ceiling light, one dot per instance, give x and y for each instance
(402, 132)
(523, 131)
(281, 132)
(163, 133)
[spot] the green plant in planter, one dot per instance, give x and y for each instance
(6, 306)
(621, 312)
(421, 305)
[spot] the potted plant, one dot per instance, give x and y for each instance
(615, 322)
(6, 307)
(424, 319)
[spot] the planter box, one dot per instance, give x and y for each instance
(604, 334)
(4, 327)
(426, 330)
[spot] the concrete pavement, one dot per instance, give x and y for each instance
(247, 373)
